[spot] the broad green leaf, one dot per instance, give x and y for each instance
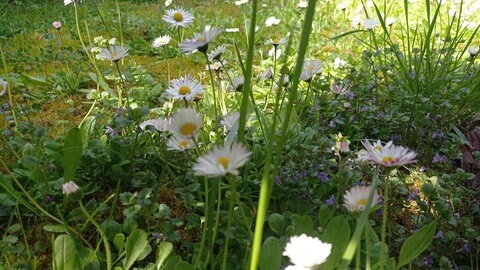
(416, 244)
(55, 228)
(65, 253)
(270, 254)
(88, 259)
(302, 224)
(276, 222)
(336, 233)
(119, 242)
(86, 128)
(111, 228)
(72, 152)
(171, 262)
(163, 250)
(183, 265)
(325, 214)
(135, 246)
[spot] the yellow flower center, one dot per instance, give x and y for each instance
(188, 129)
(388, 159)
(362, 202)
(184, 90)
(223, 161)
(178, 17)
(184, 144)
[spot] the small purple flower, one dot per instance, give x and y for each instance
(437, 135)
(331, 124)
(427, 260)
(323, 176)
(379, 212)
(438, 158)
(423, 169)
(48, 198)
(119, 111)
(428, 117)
(440, 235)
(464, 248)
(331, 200)
(111, 131)
(349, 95)
(158, 236)
(371, 86)
(412, 195)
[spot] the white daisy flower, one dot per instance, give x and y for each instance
(343, 6)
(473, 50)
(113, 53)
(240, 2)
(216, 53)
(185, 88)
(271, 21)
(69, 188)
(356, 198)
(161, 41)
(200, 40)
(232, 30)
(222, 160)
(237, 84)
(339, 89)
(168, 2)
(306, 252)
(159, 124)
(57, 25)
(389, 21)
(178, 18)
(310, 68)
(387, 155)
(370, 23)
(216, 66)
(302, 4)
(186, 122)
(230, 120)
(177, 143)
(3, 87)
(276, 41)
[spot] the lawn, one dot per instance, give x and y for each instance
(212, 134)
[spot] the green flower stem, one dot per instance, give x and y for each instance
(247, 85)
(383, 257)
(357, 234)
(227, 240)
(212, 81)
(103, 235)
(367, 247)
(124, 85)
(88, 113)
(205, 225)
(92, 60)
(168, 64)
(236, 199)
(267, 181)
(218, 189)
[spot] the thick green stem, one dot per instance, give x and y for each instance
(383, 256)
